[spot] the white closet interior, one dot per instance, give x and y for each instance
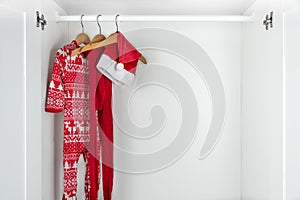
(257, 155)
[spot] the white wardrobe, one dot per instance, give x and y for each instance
(256, 157)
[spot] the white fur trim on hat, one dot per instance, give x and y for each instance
(114, 71)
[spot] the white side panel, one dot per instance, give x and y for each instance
(31, 84)
(33, 109)
(292, 80)
(219, 175)
(262, 122)
(53, 37)
(12, 118)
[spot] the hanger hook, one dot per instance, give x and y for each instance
(100, 29)
(116, 21)
(82, 26)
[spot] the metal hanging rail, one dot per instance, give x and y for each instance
(157, 18)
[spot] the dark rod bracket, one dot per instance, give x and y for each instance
(40, 20)
(268, 22)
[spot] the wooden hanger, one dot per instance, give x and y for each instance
(143, 59)
(99, 42)
(113, 38)
(82, 38)
(99, 37)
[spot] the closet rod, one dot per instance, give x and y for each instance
(157, 18)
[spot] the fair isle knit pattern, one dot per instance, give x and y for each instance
(69, 92)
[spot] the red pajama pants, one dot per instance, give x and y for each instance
(101, 128)
(72, 152)
(105, 120)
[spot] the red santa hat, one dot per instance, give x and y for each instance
(119, 60)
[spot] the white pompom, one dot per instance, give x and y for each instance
(120, 66)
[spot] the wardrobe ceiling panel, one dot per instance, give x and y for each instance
(155, 6)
